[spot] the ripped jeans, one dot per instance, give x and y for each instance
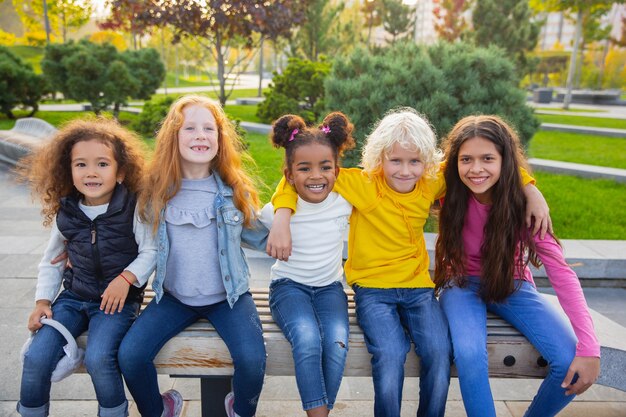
(315, 321)
(239, 327)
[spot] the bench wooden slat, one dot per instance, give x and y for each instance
(199, 351)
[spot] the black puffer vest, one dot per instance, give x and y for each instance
(99, 249)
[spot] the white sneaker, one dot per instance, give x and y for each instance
(229, 402)
(172, 403)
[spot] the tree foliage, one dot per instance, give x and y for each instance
(298, 90)
(372, 13)
(509, 25)
(319, 34)
(444, 81)
(63, 15)
(450, 22)
(19, 85)
(398, 19)
(122, 17)
(101, 75)
(220, 24)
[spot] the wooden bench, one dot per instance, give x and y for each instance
(199, 352)
(27, 135)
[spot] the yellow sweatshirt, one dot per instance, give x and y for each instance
(386, 246)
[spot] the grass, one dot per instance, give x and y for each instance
(567, 119)
(243, 93)
(579, 148)
(599, 215)
(269, 163)
(242, 112)
(569, 110)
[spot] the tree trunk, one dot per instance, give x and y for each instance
(260, 92)
(572, 64)
(220, 69)
(605, 52)
(116, 111)
(46, 21)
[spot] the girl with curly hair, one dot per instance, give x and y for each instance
(87, 178)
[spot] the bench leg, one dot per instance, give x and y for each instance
(213, 389)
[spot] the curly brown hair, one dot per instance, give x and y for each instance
(49, 172)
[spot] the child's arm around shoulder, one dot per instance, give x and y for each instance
(536, 206)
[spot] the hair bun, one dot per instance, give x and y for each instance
(283, 128)
(339, 130)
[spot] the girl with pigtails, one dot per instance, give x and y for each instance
(307, 299)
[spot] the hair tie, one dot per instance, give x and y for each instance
(293, 134)
(325, 129)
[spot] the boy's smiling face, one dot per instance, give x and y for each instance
(402, 168)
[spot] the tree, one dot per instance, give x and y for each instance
(19, 85)
(372, 11)
(298, 90)
(398, 19)
(450, 22)
(122, 17)
(319, 32)
(507, 24)
(444, 81)
(219, 25)
(577, 7)
(62, 15)
(101, 75)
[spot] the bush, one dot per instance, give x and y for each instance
(149, 120)
(298, 90)
(100, 74)
(19, 85)
(445, 82)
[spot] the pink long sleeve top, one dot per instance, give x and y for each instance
(563, 279)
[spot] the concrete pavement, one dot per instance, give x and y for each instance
(23, 239)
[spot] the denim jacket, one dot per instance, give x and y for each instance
(230, 235)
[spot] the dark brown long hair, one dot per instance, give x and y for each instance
(506, 237)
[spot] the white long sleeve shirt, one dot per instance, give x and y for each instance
(317, 235)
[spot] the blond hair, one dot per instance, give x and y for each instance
(411, 131)
(164, 176)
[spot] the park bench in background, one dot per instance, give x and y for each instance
(199, 352)
(27, 135)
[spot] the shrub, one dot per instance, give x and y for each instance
(149, 120)
(445, 82)
(298, 90)
(19, 85)
(100, 74)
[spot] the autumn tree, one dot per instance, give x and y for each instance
(219, 25)
(122, 18)
(63, 15)
(450, 21)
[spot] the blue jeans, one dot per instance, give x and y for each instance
(315, 321)
(239, 327)
(105, 334)
(391, 318)
(531, 314)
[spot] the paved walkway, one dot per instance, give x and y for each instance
(23, 239)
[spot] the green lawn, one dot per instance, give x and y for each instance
(242, 112)
(583, 208)
(568, 110)
(579, 148)
(269, 163)
(243, 93)
(567, 119)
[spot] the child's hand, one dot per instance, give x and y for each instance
(279, 239)
(588, 370)
(63, 256)
(42, 308)
(537, 207)
(115, 295)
